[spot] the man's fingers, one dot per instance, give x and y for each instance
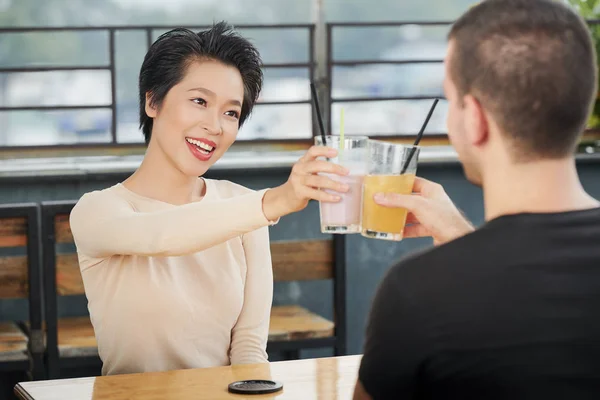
(427, 187)
(411, 219)
(409, 201)
(393, 200)
(415, 231)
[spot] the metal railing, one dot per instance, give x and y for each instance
(325, 83)
(332, 63)
(111, 67)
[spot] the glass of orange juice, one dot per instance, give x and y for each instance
(388, 172)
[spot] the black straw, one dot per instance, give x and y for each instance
(419, 136)
(318, 110)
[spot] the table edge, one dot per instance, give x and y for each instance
(21, 392)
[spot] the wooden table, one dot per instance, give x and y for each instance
(324, 378)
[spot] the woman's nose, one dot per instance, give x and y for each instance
(212, 124)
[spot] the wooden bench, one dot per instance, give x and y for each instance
(292, 327)
(21, 343)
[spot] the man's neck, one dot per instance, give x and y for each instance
(538, 187)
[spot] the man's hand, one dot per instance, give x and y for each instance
(431, 212)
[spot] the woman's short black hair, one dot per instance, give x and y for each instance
(169, 56)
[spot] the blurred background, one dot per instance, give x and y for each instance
(43, 73)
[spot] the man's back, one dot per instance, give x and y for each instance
(509, 311)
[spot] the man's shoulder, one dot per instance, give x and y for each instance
(446, 263)
(461, 247)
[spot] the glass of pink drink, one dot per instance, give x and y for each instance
(345, 215)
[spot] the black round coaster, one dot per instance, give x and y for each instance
(255, 386)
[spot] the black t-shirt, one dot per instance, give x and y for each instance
(510, 311)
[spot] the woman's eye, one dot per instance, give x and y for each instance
(233, 114)
(199, 101)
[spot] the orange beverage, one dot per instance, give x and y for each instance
(384, 222)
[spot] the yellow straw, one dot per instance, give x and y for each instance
(341, 129)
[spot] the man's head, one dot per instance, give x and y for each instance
(520, 80)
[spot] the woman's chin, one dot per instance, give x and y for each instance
(196, 169)
(192, 166)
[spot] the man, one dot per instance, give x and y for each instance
(511, 310)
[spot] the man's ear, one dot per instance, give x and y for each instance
(151, 109)
(476, 121)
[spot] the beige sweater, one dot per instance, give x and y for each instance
(173, 287)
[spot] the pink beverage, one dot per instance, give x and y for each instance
(345, 215)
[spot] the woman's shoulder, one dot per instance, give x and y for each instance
(98, 199)
(113, 192)
(225, 188)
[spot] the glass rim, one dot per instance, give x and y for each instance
(346, 137)
(391, 144)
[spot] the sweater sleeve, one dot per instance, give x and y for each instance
(104, 224)
(251, 331)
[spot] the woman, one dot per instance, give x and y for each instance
(176, 268)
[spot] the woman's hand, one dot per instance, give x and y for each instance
(308, 176)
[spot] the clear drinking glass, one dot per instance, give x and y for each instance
(345, 215)
(387, 173)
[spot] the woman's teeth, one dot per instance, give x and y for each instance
(205, 148)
